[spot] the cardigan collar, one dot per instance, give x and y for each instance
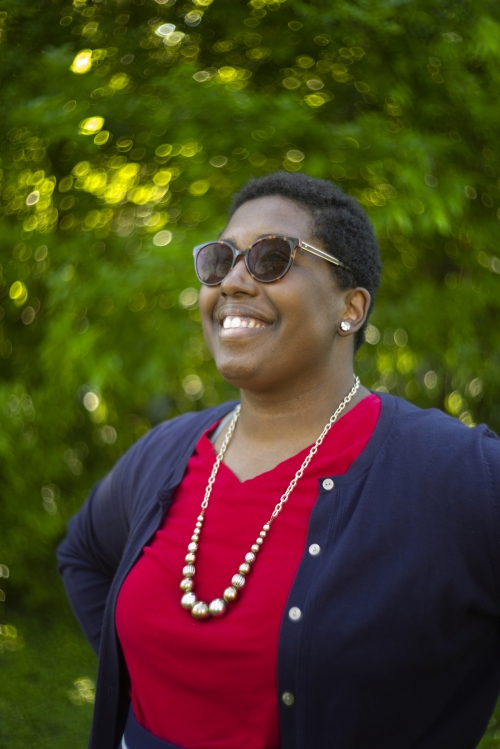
(390, 406)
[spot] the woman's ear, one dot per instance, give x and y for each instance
(357, 304)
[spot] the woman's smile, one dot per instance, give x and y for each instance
(239, 323)
(237, 327)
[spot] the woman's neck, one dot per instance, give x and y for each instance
(273, 428)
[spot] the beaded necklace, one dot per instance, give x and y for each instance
(218, 607)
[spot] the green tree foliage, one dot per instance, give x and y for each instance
(127, 124)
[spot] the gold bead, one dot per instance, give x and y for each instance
(259, 541)
(250, 558)
(200, 610)
(198, 524)
(238, 581)
(194, 537)
(230, 595)
(190, 558)
(200, 518)
(188, 600)
(188, 570)
(193, 546)
(267, 527)
(255, 548)
(217, 607)
(187, 584)
(244, 568)
(263, 534)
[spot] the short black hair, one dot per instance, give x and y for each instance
(339, 222)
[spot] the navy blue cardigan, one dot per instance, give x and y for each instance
(399, 642)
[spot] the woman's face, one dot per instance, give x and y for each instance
(292, 327)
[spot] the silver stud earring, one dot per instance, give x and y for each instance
(345, 325)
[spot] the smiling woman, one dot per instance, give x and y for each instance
(304, 568)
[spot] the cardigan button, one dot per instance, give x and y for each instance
(295, 614)
(314, 550)
(328, 484)
(288, 698)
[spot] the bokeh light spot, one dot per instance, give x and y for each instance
(401, 337)
(315, 100)
(218, 161)
(199, 187)
(91, 401)
(454, 403)
(193, 386)
(83, 692)
(162, 238)
(108, 434)
(188, 298)
(18, 292)
(165, 29)
(290, 83)
(91, 125)
(202, 75)
(315, 84)
(119, 81)
(82, 62)
(304, 61)
(295, 155)
(102, 137)
(372, 335)
(48, 500)
(193, 18)
(430, 379)
(33, 198)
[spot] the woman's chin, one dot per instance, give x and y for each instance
(242, 375)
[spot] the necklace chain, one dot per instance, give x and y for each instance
(218, 607)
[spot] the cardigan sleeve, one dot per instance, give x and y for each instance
(491, 452)
(97, 535)
(92, 550)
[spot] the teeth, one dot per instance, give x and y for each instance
(238, 322)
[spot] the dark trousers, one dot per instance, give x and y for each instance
(136, 737)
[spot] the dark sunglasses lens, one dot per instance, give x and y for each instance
(213, 263)
(269, 259)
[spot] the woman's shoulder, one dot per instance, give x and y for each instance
(430, 435)
(409, 415)
(176, 433)
(166, 443)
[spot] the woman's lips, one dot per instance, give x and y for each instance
(236, 326)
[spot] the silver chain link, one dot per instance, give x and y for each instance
(300, 472)
(314, 450)
(218, 461)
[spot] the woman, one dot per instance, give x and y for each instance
(338, 562)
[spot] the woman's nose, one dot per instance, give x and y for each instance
(238, 280)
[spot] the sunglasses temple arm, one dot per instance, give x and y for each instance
(323, 255)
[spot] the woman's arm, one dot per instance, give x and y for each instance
(91, 552)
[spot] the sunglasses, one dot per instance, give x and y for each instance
(268, 259)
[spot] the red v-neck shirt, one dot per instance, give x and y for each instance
(212, 684)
